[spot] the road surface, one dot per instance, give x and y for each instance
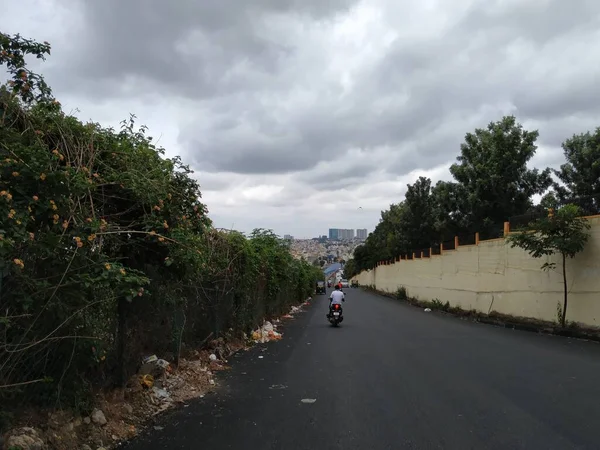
(394, 377)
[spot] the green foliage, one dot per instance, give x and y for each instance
(492, 183)
(580, 174)
(492, 171)
(350, 269)
(402, 293)
(562, 232)
(107, 252)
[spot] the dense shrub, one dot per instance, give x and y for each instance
(107, 253)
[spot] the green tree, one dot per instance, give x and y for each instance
(416, 224)
(563, 232)
(492, 171)
(350, 268)
(449, 215)
(581, 172)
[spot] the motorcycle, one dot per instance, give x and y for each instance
(335, 316)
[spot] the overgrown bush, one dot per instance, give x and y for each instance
(107, 253)
(402, 293)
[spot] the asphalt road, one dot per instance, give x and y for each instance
(394, 377)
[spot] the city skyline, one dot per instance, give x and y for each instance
(347, 233)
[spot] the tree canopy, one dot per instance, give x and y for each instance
(492, 183)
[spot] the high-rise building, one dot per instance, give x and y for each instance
(288, 237)
(361, 233)
(341, 234)
(347, 234)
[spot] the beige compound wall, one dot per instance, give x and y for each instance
(492, 276)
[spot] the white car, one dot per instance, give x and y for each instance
(345, 283)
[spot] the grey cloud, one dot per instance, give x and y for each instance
(254, 78)
(190, 48)
(246, 76)
(539, 21)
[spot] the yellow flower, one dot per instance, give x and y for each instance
(79, 244)
(35, 198)
(156, 208)
(18, 222)
(3, 193)
(55, 151)
(161, 239)
(19, 263)
(31, 236)
(152, 233)
(43, 176)
(165, 225)
(8, 197)
(122, 271)
(11, 213)
(65, 224)
(91, 237)
(88, 220)
(15, 174)
(107, 266)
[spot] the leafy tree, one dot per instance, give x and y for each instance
(350, 268)
(449, 215)
(581, 172)
(416, 224)
(563, 232)
(493, 174)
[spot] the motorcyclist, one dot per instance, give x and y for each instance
(337, 297)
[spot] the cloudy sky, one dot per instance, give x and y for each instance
(294, 113)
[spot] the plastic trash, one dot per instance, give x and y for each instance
(427, 309)
(149, 359)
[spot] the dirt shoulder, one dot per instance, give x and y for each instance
(121, 414)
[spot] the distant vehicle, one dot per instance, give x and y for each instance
(354, 284)
(321, 287)
(345, 283)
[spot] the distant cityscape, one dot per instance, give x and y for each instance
(338, 234)
(338, 246)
